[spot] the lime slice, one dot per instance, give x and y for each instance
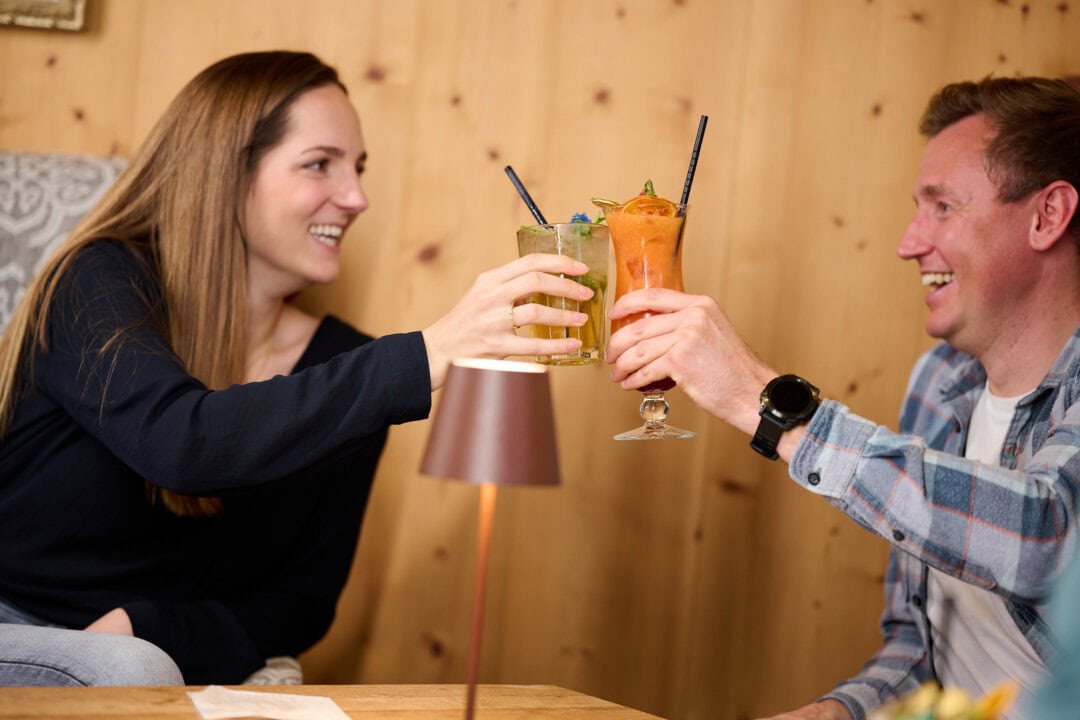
(605, 203)
(596, 284)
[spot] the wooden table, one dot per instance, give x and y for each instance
(361, 702)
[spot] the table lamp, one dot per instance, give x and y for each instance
(494, 426)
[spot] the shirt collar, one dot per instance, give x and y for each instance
(968, 374)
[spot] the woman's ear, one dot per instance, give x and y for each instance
(1055, 206)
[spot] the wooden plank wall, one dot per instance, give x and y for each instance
(690, 579)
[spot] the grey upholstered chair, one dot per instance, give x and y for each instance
(42, 197)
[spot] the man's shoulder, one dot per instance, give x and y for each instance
(944, 365)
(940, 373)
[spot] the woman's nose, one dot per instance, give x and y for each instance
(351, 196)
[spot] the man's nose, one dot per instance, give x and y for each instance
(913, 243)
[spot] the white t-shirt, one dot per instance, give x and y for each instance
(976, 643)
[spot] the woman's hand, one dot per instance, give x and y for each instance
(484, 322)
(115, 621)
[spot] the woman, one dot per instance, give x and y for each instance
(184, 454)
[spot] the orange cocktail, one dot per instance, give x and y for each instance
(646, 233)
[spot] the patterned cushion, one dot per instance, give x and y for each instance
(42, 197)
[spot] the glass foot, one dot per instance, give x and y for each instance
(654, 410)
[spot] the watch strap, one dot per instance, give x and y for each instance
(767, 437)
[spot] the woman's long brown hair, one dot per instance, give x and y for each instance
(179, 204)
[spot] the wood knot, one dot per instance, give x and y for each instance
(429, 253)
(435, 647)
(375, 73)
(732, 487)
(602, 96)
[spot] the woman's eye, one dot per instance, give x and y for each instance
(318, 164)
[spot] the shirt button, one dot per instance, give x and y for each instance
(813, 478)
(898, 536)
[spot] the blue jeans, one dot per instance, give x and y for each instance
(33, 652)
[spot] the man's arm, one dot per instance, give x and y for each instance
(1001, 529)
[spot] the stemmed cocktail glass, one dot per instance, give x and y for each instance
(647, 233)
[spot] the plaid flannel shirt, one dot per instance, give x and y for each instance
(1006, 528)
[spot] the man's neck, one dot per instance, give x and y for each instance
(1021, 360)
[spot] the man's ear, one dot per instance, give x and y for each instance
(1055, 206)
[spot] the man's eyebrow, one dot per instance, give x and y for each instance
(930, 191)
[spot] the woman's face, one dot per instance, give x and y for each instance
(304, 195)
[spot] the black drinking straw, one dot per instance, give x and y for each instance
(693, 159)
(525, 196)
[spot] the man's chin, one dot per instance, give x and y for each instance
(941, 331)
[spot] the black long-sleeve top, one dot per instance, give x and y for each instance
(293, 457)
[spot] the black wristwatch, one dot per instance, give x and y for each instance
(786, 401)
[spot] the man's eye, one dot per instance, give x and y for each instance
(944, 207)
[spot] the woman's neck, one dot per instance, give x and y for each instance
(278, 333)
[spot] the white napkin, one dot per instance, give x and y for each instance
(218, 703)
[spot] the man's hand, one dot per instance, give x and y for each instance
(824, 710)
(691, 341)
(115, 621)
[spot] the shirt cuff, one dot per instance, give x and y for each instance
(828, 454)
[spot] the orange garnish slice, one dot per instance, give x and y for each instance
(650, 205)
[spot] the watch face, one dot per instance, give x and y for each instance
(792, 397)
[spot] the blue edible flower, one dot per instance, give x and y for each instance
(580, 218)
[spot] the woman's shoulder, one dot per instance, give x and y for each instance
(109, 258)
(333, 336)
(104, 276)
(337, 329)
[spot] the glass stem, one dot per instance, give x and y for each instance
(654, 409)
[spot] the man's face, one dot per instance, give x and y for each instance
(972, 250)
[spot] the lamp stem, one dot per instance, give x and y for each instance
(483, 542)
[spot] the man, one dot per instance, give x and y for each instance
(977, 491)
